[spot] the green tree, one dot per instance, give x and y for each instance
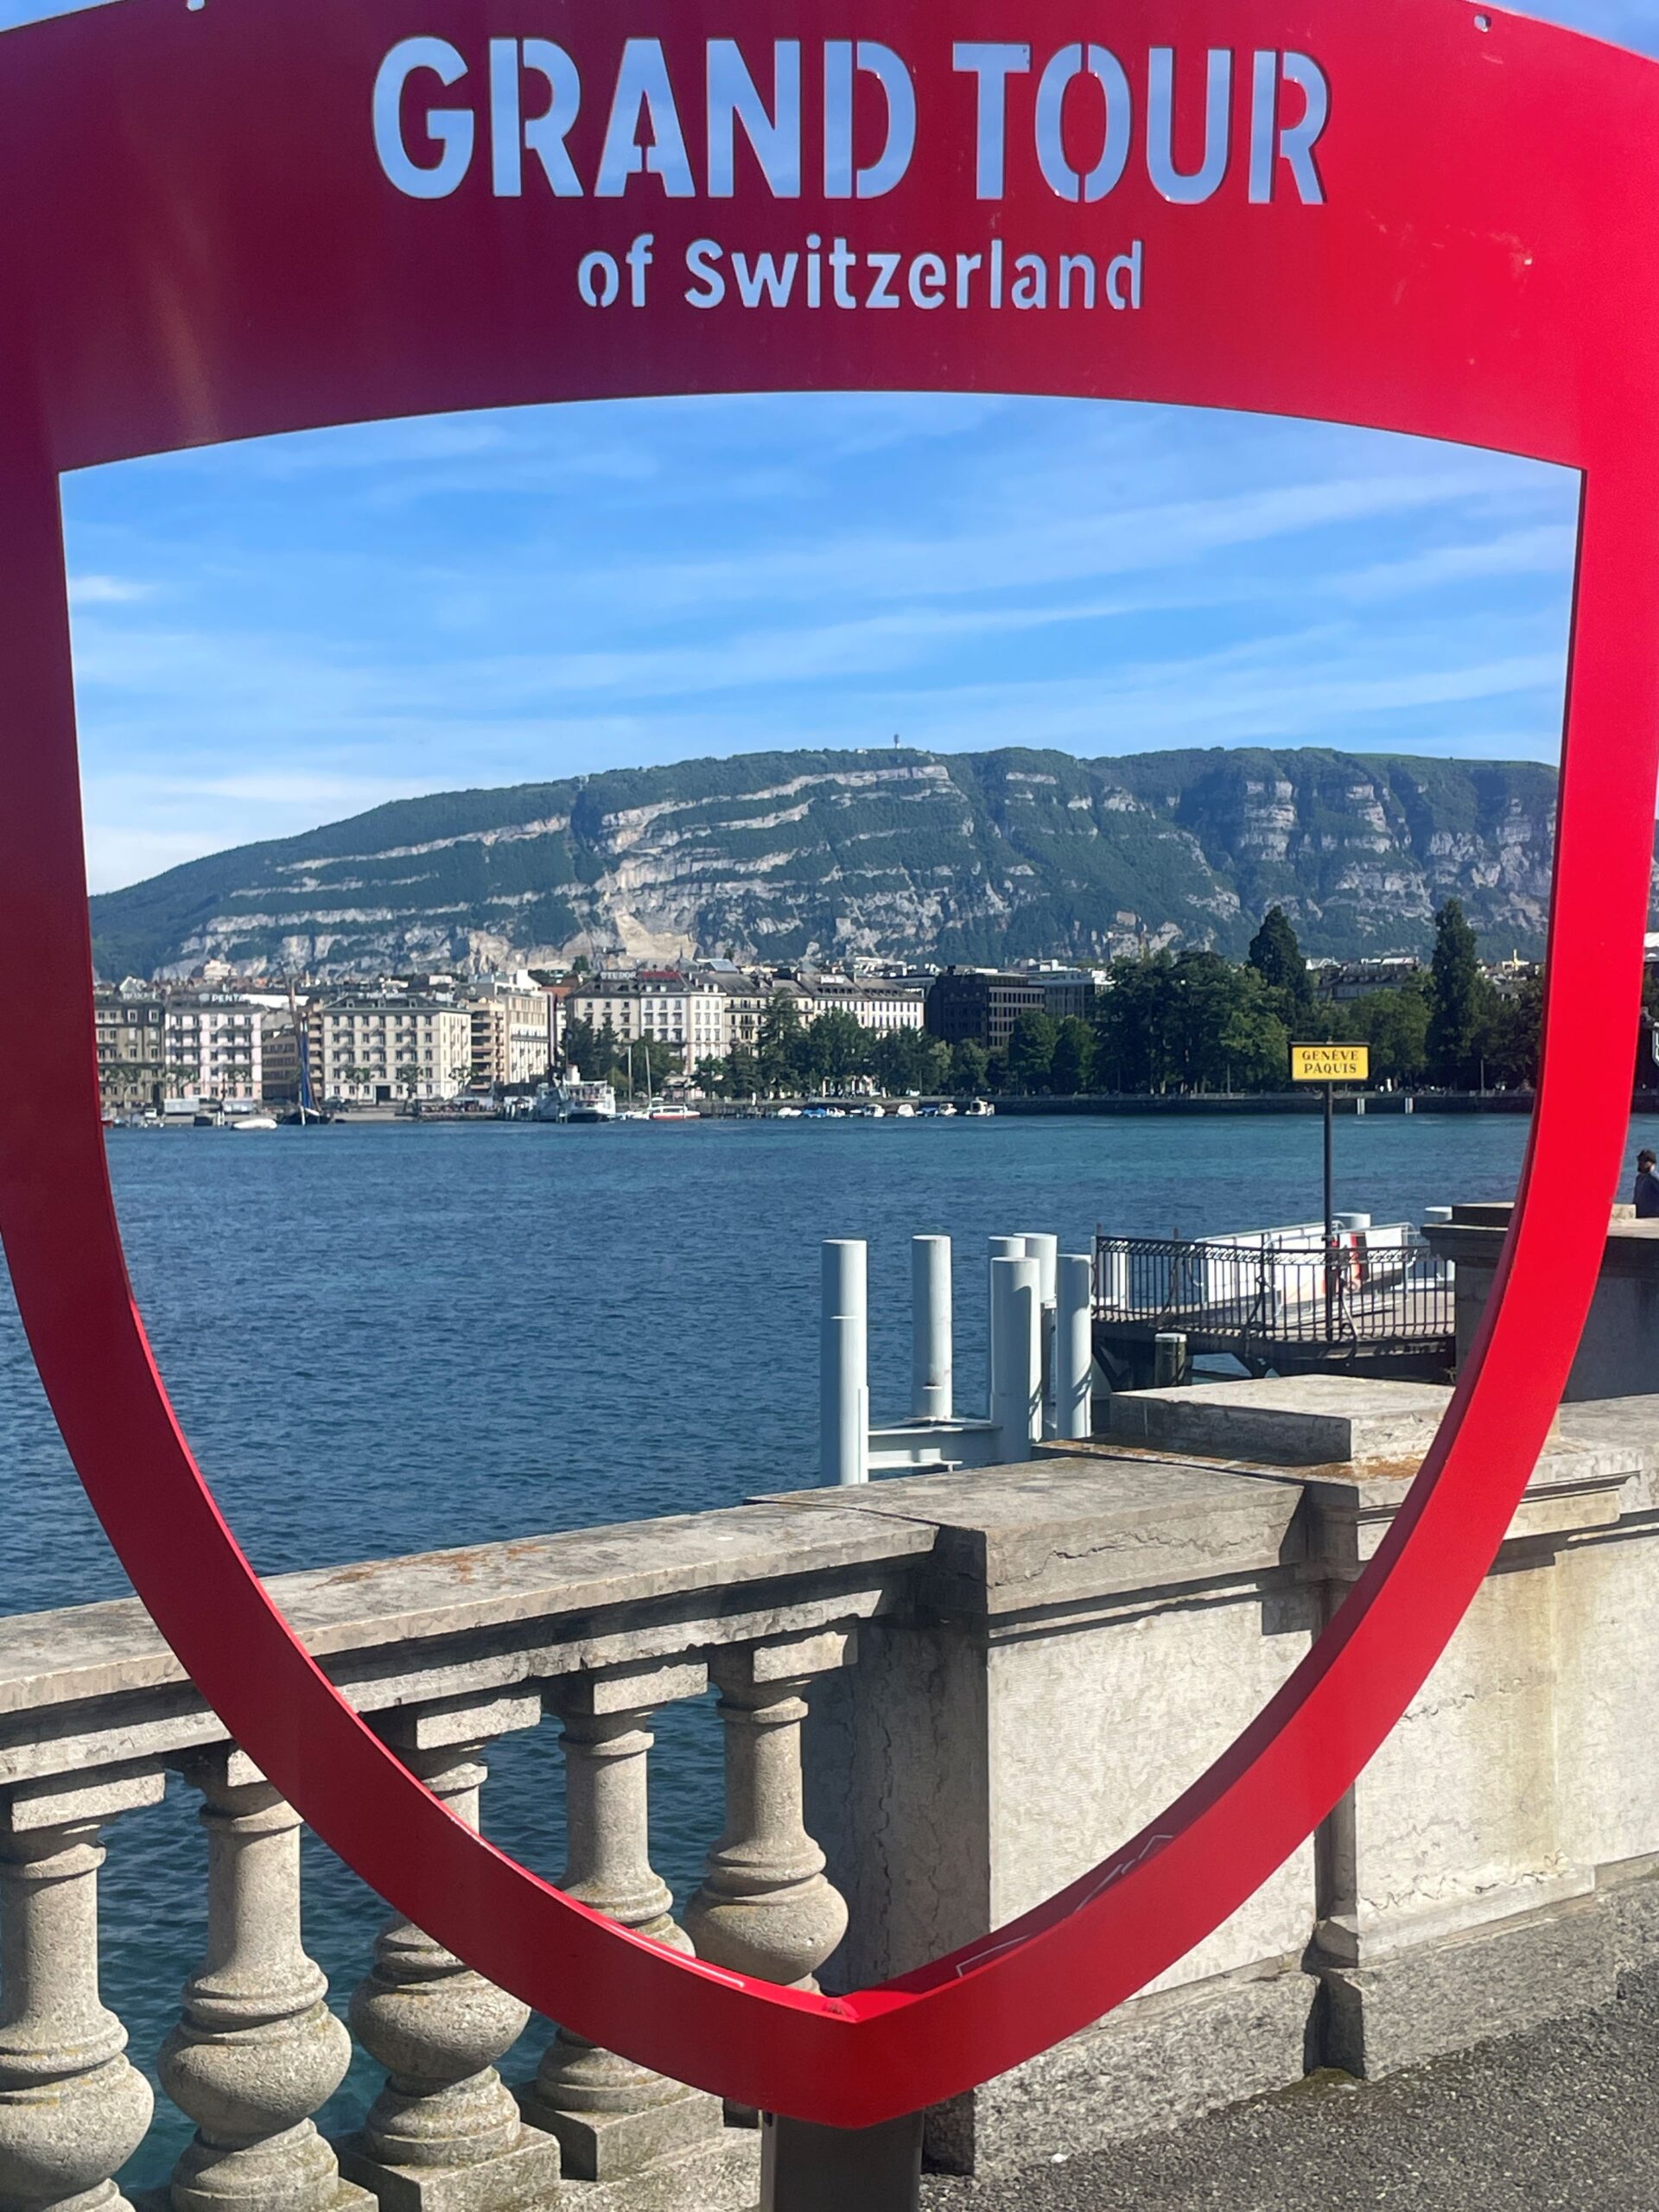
(1394, 1023)
(1072, 1067)
(908, 1059)
(933, 1063)
(1460, 1002)
(777, 1046)
(840, 1048)
(971, 1065)
(1515, 1035)
(1276, 956)
(1030, 1051)
(581, 1045)
(740, 1073)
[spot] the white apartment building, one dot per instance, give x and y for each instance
(687, 1012)
(381, 1050)
(215, 1046)
(515, 1030)
(873, 1003)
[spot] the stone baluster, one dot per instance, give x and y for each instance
(258, 2051)
(445, 2134)
(72, 2108)
(611, 2116)
(765, 1907)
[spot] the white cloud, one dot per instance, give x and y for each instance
(105, 591)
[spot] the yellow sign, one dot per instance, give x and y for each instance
(1330, 1063)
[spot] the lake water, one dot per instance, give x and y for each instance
(384, 1340)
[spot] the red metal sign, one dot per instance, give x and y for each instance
(221, 220)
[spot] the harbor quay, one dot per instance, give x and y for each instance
(940, 1697)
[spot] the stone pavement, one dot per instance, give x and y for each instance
(1561, 2119)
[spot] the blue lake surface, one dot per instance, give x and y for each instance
(387, 1339)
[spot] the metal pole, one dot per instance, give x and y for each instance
(1016, 1329)
(844, 1373)
(1330, 1215)
(1170, 1370)
(1002, 1247)
(1074, 1347)
(931, 1364)
(805, 2168)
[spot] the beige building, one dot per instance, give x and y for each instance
(280, 1053)
(515, 1034)
(132, 1050)
(380, 1050)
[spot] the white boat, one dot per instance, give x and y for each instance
(980, 1109)
(674, 1114)
(573, 1100)
(903, 1111)
(254, 1121)
(787, 1114)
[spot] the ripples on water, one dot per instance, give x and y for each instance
(383, 1340)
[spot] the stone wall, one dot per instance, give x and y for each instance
(1090, 1631)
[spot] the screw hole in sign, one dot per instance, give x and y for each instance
(1482, 23)
(1416, 244)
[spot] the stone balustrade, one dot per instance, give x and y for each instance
(938, 1701)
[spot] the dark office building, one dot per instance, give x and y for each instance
(972, 1006)
(1067, 992)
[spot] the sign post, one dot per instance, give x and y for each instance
(1330, 1064)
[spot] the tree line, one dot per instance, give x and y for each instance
(1167, 1022)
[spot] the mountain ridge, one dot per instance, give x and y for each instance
(791, 855)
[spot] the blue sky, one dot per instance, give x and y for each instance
(274, 635)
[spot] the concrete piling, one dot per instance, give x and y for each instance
(1016, 1332)
(1074, 1347)
(844, 1373)
(932, 1380)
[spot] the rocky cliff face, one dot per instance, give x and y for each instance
(969, 856)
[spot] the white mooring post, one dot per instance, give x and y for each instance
(1074, 1347)
(931, 1379)
(843, 1372)
(1002, 1247)
(1016, 1336)
(1046, 1250)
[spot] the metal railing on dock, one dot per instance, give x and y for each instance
(1378, 1294)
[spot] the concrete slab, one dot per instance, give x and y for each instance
(1053, 1530)
(1307, 1420)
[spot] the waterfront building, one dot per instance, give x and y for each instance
(747, 995)
(215, 1046)
(1341, 981)
(132, 1027)
(661, 1005)
(515, 1032)
(279, 1051)
(1069, 994)
(875, 1003)
(980, 1005)
(377, 1049)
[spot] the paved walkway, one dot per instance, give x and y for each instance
(1565, 2120)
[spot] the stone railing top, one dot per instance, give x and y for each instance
(1301, 1420)
(358, 1611)
(1474, 1237)
(93, 1687)
(1083, 1523)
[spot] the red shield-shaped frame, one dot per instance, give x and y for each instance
(197, 243)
